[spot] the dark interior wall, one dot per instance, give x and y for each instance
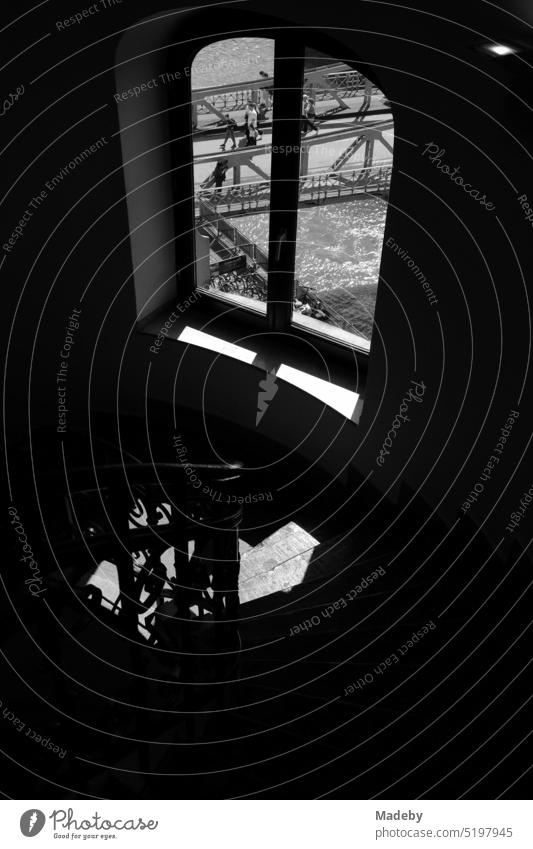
(471, 348)
(147, 163)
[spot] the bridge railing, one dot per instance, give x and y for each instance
(327, 186)
(349, 170)
(249, 197)
(255, 197)
(347, 83)
(230, 98)
(234, 97)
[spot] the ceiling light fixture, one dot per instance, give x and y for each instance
(500, 49)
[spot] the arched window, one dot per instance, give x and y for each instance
(292, 153)
(257, 171)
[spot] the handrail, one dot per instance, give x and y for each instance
(113, 482)
(137, 538)
(246, 85)
(325, 183)
(143, 473)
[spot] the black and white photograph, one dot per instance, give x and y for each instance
(267, 405)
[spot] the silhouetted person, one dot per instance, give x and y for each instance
(220, 173)
(265, 92)
(250, 120)
(261, 115)
(231, 126)
(309, 116)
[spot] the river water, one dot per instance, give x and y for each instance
(338, 252)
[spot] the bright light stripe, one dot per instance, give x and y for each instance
(213, 343)
(500, 49)
(342, 400)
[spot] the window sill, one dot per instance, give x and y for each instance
(333, 334)
(332, 373)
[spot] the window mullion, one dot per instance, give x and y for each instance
(285, 177)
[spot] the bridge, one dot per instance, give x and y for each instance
(334, 82)
(356, 134)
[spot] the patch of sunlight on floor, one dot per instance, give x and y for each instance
(214, 343)
(277, 563)
(105, 577)
(342, 400)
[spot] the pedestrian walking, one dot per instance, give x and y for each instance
(265, 92)
(250, 120)
(219, 174)
(231, 126)
(261, 115)
(309, 116)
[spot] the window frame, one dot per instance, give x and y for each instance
(289, 72)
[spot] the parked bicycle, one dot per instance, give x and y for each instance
(248, 283)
